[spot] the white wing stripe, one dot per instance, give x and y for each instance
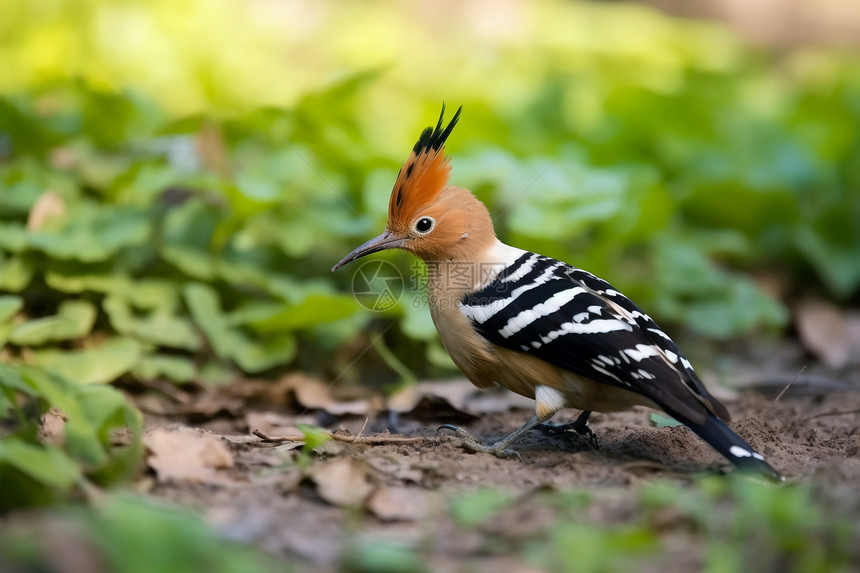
(483, 312)
(659, 332)
(594, 327)
(523, 270)
(641, 352)
(551, 305)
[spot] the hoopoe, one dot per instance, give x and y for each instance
(534, 325)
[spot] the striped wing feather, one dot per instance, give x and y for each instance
(576, 321)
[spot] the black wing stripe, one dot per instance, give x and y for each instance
(483, 305)
(514, 267)
(527, 302)
(576, 321)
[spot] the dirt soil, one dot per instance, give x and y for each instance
(312, 509)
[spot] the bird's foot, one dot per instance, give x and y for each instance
(580, 426)
(499, 448)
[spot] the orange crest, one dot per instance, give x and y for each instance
(424, 174)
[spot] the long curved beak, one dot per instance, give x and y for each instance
(384, 241)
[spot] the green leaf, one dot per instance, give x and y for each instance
(94, 413)
(314, 437)
(148, 293)
(46, 464)
(15, 273)
(231, 343)
(384, 557)
(93, 234)
(185, 542)
(160, 327)
(217, 373)
(99, 364)
(314, 309)
(476, 507)
(417, 322)
(13, 237)
(205, 307)
(175, 368)
(661, 421)
(10, 377)
(80, 282)
(254, 356)
(834, 255)
(9, 306)
(192, 261)
(73, 320)
(108, 411)
(80, 432)
(740, 308)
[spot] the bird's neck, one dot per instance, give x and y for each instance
(452, 279)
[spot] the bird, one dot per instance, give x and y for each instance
(534, 325)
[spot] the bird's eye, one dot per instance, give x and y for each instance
(424, 225)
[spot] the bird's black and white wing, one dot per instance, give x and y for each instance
(577, 321)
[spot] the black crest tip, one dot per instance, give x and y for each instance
(435, 138)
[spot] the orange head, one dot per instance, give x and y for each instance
(434, 220)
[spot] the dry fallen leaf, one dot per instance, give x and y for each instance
(308, 393)
(397, 503)
(186, 454)
(823, 331)
(205, 405)
(314, 394)
(454, 392)
(212, 150)
(459, 394)
(271, 424)
(50, 204)
(404, 472)
(52, 427)
(343, 482)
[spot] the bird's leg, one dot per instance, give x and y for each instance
(580, 426)
(500, 447)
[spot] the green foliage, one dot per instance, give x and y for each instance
(661, 421)
(127, 535)
(381, 557)
(723, 523)
(185, 211)
(99, 443)
(476, 507)
(583, 547)
(755, 525)
(313, 437)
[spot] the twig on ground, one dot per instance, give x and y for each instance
(350, 439)
(363, 426)
(837, 413)
(784, 390)
(278, 440)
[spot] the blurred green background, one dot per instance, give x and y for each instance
(178, 177)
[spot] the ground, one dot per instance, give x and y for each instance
(419, 489)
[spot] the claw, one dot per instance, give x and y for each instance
(577, 426)
(471, 443)
(451, 427)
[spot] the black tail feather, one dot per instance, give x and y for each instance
(720, 437)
